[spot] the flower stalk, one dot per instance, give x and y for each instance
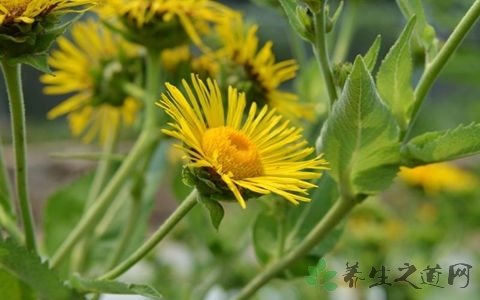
(12, 74)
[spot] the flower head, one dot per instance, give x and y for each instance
(164, 24)
(438, 177)
(27, 26)
(259, 154)
(254, 70)
(94, 66)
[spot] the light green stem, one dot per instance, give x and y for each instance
(93, 215)
(321, 53)
(433, 69)
(336, 213)
(166, 227)
(13, 82)
(10, 226)
(5, 185)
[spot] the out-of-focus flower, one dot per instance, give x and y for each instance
(233, 157)
(161, 24)
(95, 66)
(252, 69)
(27, 26)
(438, 177)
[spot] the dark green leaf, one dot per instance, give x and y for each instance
(310, 280)
(395, 75)
(215, 210)
(84, 285)
(321, 265)
(330, 286)
(370, 57)
(444, 145)
(313, 271)
(360, 137)
(27, 267)
(329, 275)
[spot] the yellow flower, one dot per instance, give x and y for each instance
(25, 11)
(260, 153)
(166, 23)
(253, 69)
(439, 177)
(94, 67)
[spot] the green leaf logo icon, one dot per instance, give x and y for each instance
(321, 277)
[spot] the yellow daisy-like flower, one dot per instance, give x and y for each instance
(439, 177)
(254, 70)
(260, 153)
(166, 23)
(25, 11)
(94, 66)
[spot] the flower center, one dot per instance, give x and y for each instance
(15, 8)
(234, 152)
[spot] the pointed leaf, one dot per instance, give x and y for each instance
(313, 271)
(321, 265)
(84, 285)
(395, 75)
(14, 289)
(444, 145)
(370, 57)
(27, 267)
(215, 210)
(310, 280)
(290, 8)
(330, 286)
(360, 137)
(329, 275)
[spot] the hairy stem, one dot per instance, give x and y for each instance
(13, 82)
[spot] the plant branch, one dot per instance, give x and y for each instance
(336, 213)
(13, 82)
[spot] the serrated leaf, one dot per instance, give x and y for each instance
(310, 280)
(329, 275)
(321, 265)
(84, 285)
(444, 145)
(313, 271)
(395, 75)
(27, 267)
(370, 57)
(290, 8)
(330, 286)
(360, 137)
(215, 210)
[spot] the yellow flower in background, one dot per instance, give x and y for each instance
(94, 66)
(438, 177)
(25, 11)
(260, 153)
(253, 69)
(165, 24)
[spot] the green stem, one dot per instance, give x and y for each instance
(13, 82)
(166, 227)
(10, 226)
(152, 90)
(92, 216)
(433, 69)
(321, 53)
(346, 32)
(79, 254)
(5, 185)
(336, 213)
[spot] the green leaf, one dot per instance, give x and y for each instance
(444, 145)
(27, 267)
(370, 57)
(330, 286)
(321, 265)
(265, 230)
(14, 289)
(294, 16)
(395, 75)
(329, 275)
(313, 271)
(84, 285)
(360, 137)
(215, 210)
(310, 280)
